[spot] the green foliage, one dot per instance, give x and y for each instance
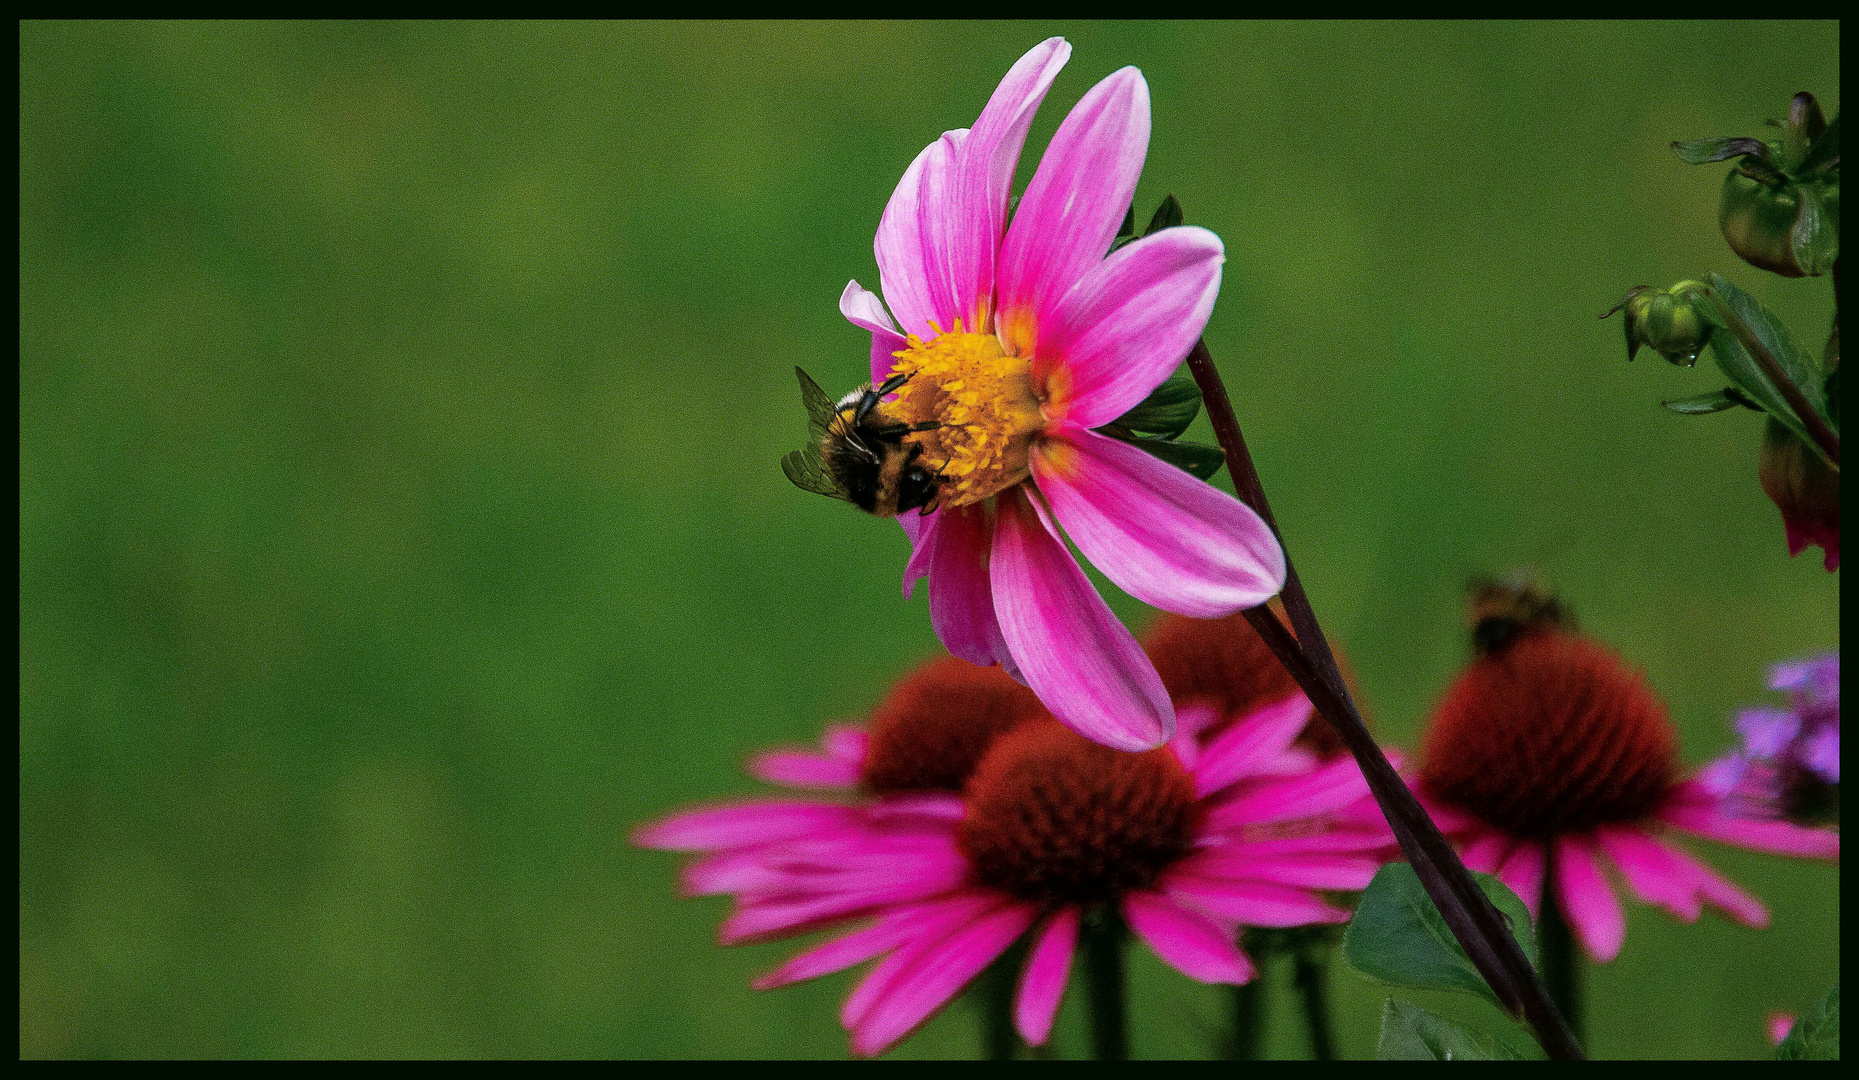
(1746, 373)
(1715, 401)
(1166, 412)
(1816, 1036)
(1411, 1033)
(1397, 935)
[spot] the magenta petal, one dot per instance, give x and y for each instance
(1132, 321)
(913, 265)
(1651, 870)
(1083, 663)
(803, 769)
(961, 593)
(855, 948)
(1522, 873)
(1186, 940)
(1251, 903)
(1485, 851)
(937, 976)
(1330, 787)
(728, 826)
(864, 309)
(976, 215)
(1778, 837)
(1313, 870)
(1238, 751)
(939, 919)
(1042, 981)
(921, 529)
(847, 742)
(1072, 206)
(1587, 900)
(1164, 537)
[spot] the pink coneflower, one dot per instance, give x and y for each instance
(1549, 752)
(1188, 843)
(1018, 340)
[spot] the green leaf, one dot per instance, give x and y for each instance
(1167, 411)
(1747, 375)
(1815, 238)
(1167, 216)
(1715, 401)
(1816, 1036)
(1397, 936)
(1722, 148)
(1128, 228)
(1411, 1033)
(1196, 459)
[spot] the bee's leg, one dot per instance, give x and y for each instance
(927, 425)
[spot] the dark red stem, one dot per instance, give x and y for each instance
(1468, 912)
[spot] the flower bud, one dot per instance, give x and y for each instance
(1780, 207)
(1806, 490)
(1669, 321)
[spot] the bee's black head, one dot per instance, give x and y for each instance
(916, 488)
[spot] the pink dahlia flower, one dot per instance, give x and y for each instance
(1019, 339)
(1189, 842)
(1548, 760)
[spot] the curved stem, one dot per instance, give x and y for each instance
(994, 993)
(1467, 912)
(1104, 984)
(1312, 975)
(1248, 1015)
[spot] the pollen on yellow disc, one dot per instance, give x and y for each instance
(984, 403)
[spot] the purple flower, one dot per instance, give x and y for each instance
(1787, 754)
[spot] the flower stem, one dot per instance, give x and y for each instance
(1312, 975)
(1561, 961)
(994, 993)
(1248, 1015)
(1104, 985)
(1467, 912)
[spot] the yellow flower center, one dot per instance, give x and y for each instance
(983, 401)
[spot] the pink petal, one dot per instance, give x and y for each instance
(1130, 323)
(1330, 787)
(803, 769)
(1522, 873)
(1072, 207)
(938, 975)
(1671, 878)
(913, 263)
(864, 309)
(977, 212)
(1587, 900)
(1314, 870)
(1238, 751)
(855, 948)
(1190, 721)
(725, 872)
(1186, 940)
(1166, 538)
(961, 593)
(940, 919)
(728, 826)
(1251, 903)
(1324, 842)
(1042, 980)
(1484, 852)
(1777, 837)
(847, 742)
(1084, 664)
(921, 529)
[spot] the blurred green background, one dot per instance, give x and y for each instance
(400, 521)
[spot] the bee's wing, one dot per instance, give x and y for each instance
(820, 410)
(803, 467)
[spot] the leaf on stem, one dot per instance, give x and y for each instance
(1816, 1036)
(1398, 936)
(1411, 1033)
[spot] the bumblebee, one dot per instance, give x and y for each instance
(1502, 610)
(859, 455)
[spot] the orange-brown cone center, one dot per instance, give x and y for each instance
(1057, 819)
(1551, 735)
(936, 723)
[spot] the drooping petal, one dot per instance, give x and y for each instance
(1522, 873)
(1485, 851)
(1186, 940)
(1778, 837)
(855, 948)
(1330, 787)
(1072, 206)
(1651, 870)
(1165, 537)
(1042, 980)
(942, 918)
(803, 769)
(847, 742)
(1082, 662)
(1190, 721)
(1251, 903)
(1130, 323)
(913, 263)
(863, 308)
(921, 529)
(1238, 751)
(1587, 900)
(734, 825)
(961, 592)
(937, 976)
(976, 216)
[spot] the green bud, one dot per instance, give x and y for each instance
(1669, 321)
(1780, 207)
